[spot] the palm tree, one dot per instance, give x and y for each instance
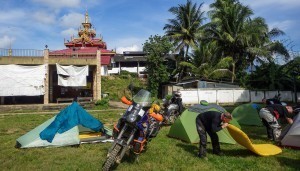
(265, 47)
(234, 31)
(240, 36)
(183, 28)
(206, 70)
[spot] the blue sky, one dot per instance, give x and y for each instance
(124, 24)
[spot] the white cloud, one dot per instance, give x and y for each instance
(59, 4)
(120, 50)
(126, 44)
(205, 7)
(6, 41)
(282, 25)
(279, 3)
(72, 20)
(69, 32)
(44, 17)
(12, 16)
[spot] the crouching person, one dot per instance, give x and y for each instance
(270, 115)
(211, 122)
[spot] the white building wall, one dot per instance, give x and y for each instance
(209, 95)
(194, 96)
(270, 94)
(104, 70)
(256, 96)
(241, 95)
(189, 96)
(225, 96)
(286, 96)
(129, 69)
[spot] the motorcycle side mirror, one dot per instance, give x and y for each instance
(126, 101)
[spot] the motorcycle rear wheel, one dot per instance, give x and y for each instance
(173, 116)
(112, 157)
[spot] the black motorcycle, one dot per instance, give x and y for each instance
(134, 129)
(172, 108)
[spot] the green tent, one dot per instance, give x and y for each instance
(247, 114)
(72, 126)
(184, 127)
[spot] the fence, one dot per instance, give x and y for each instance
(194, 96)
(21, 52)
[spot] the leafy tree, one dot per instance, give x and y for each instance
(240, 36)
(271, 76)
(206, 70)
(183, 28)
(156, 48)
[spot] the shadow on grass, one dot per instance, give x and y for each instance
(239, 153)
(192, 149)
(129, 158)
(293, 164)
(255, 132)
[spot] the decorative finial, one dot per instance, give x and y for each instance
(86, 17)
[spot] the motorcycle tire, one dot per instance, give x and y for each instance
(154, 129)
(111, 159)
(173, 115)
(276, 134)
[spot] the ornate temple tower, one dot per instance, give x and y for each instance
(86, 36)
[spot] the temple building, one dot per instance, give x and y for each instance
(73, 72)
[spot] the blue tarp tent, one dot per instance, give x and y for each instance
(63, 129)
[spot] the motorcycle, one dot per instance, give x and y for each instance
(172, 108)
(134, 129)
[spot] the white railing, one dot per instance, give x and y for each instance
(129, 69)
(21, 52)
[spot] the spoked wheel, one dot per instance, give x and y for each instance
(154, 128)
(276, 134)
(173, 116)
(111, 159)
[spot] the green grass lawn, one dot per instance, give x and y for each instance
(163, 153)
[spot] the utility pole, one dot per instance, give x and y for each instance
(295, 86)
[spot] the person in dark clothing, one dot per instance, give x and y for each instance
(271, 101)
(211, 122)
(270, 115)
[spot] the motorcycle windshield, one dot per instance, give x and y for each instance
(143, 98)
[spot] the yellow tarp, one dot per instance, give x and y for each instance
(261, 149)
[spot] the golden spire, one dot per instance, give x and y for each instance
(86, 20)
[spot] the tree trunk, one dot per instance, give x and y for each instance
(233, 71)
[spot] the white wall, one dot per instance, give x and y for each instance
(209, 95)
(286, 96)
(129, 69)
(225, 96)
(194, 96)
(256, 96)
(241, 95)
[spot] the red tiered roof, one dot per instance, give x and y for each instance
(105, 54)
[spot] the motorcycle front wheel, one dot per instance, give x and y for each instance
(112, 157)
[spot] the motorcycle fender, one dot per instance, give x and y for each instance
(173, 107)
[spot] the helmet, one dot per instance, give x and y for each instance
(177, 94)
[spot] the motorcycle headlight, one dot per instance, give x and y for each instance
(131, 118)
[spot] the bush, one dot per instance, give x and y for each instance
(102, 104)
